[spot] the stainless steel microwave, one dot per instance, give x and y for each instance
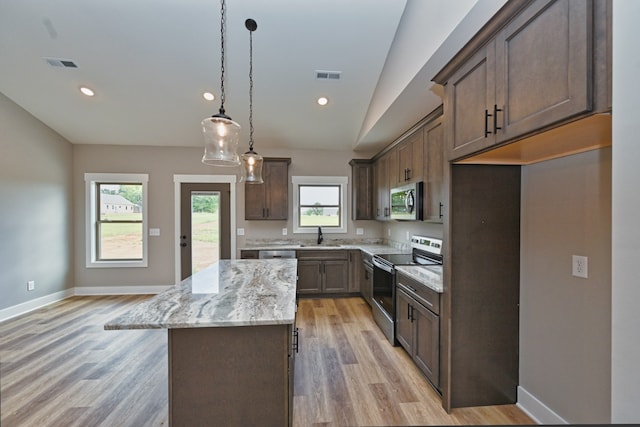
(406, 202)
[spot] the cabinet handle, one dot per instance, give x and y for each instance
(267, 212)
(440, 210)
(487, 132)
(263, 211)
(496, 128)
(411, 313)
(296, 340)
(408, 311)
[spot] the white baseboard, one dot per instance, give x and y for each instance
(25, 307)
(34, 304)
(119, 290)
(538, 411)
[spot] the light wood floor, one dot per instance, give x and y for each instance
(59, 367)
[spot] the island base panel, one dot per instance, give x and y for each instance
(235, 376)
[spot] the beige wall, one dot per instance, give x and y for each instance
(36, 207)
(565, 321)
(161, 163)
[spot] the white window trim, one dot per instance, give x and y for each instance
(342, 181)
(90, 180)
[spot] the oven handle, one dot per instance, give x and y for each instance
(381, 266)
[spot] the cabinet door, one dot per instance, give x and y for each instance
(362, 190)
(249, 254)
(434, 173)
(309, 277)
(382, 189)
(277, 191)
(543, 66)
(469, 93)
(254, 201)
(426, 343)
(336, 276)
(393, 168)
(404, 333)
(410, 158)
(355, 270)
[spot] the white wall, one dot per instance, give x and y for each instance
(35, 208)
(625, 378)
(565, 321)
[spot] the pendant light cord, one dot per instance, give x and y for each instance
(222, 22)
(250, 90)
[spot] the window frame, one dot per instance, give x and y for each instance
(325, 181)
(92, 212)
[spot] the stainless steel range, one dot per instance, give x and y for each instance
(425, 251)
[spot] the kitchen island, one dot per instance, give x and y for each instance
(230, 342)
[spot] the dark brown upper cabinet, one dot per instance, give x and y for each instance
(530, 69)
(269, 200)
(362, 189)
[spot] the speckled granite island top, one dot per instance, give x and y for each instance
(226, 294)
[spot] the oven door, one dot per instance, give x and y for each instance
(383, 287)
(383, 301)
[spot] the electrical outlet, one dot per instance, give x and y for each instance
(408, 236)
(31, 285)
(359, 231)
(240, 231)
(389, 232)
(580, 266)
(284, 231)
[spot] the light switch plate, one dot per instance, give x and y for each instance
(240, 231)
(154, 232)
(359, 231)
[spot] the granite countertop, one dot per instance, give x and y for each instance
(225, 294)
(371, 248)
(429, 275)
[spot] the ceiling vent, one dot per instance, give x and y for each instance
(57, 62)
(328, 75)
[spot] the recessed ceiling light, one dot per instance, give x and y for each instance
(87, 91)
(208, 96)
(323, 100)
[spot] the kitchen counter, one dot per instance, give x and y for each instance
(370, 248)
(231, 342)
(429, 275)
(226, 294)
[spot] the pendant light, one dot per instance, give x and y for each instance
(221, 134)
(251, 161)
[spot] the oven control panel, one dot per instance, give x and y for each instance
(428, 244)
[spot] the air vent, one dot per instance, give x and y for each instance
(328, 75)
(57, 62)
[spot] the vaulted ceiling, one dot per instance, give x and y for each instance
(149, 61)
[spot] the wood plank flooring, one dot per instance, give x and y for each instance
(59, 367)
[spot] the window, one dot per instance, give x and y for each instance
(116, 212)
(319, 201)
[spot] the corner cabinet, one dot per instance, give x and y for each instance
(532, 67)
(362, 189)
(269, 200)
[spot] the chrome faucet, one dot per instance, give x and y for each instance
(320, 238)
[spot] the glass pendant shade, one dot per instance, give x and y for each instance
(221, 137)
(252, 168)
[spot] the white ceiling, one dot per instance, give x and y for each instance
(150, 60)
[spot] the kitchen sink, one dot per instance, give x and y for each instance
(321, 246)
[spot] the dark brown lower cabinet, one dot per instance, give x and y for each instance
(323, 272)
(236, 376)
(418, 332)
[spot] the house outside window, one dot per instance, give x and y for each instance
(319, 201)
(116, 212)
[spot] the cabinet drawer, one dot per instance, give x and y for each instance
(422, 293)
(322, 254)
